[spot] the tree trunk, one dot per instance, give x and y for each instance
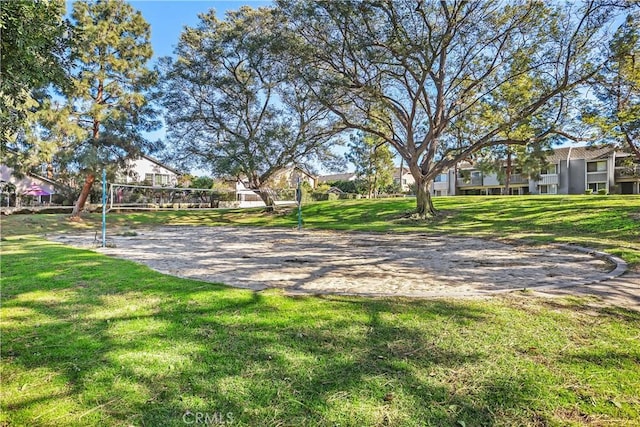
(369, 180)
(86, 188)
(84, 194)
(424, 208)
(375, 186)
(267, 197)
(455, 180)
(507, 177)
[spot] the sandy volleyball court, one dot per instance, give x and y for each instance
(353, 263)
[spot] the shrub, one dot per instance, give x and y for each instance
(349, 196)
(357, 186)
(588, 191)
(602, 191)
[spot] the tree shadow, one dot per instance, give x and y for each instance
(130, 346)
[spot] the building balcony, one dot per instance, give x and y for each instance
(548, 179)
(475, 181)
(490, 181)
(597, 177)
(627, 172)
(518, 178)
(441, 186)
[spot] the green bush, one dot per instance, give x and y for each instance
(349, 196)
(357, 186)
(588, 191)
(319, 196)
(602, 191)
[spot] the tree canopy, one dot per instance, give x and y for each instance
(105, 109)
(33, 48)
(270, 88)
(616, 110)
(233, 104)
(373, 162)
(431, 70)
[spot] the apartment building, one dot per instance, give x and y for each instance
(570, 170)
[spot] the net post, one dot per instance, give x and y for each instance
(299, 200)
(110, 197)
(104, 208)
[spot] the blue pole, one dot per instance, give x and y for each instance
(299, 197)
(104, 208)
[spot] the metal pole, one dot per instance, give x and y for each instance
(110, 196)
(104, 208)
(299, 197)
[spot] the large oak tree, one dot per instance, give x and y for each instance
(420, 74)
(615, 111)
(233, 104)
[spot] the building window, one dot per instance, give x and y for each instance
(441, 178)
(600, 166)
(595, 186)
(162, 179)
(156, 179)
(551, 169)
(549, 189)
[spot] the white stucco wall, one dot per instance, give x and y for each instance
(138, 169)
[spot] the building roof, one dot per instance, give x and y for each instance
(305, 172)
(42, 178)
(583, 152)
(11, 172)
(463, 165)
(405, 171)
(159, 163)
(349, 176)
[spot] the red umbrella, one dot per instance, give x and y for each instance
(36, 190)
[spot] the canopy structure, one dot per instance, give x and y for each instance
(36, 190)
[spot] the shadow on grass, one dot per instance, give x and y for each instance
(114, 343)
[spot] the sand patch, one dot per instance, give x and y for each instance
(378, 264)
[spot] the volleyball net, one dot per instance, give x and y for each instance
(142, 197)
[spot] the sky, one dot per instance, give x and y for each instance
(169, 17)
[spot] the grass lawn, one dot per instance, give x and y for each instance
(92, 340)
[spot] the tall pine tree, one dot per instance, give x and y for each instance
(106, 107)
